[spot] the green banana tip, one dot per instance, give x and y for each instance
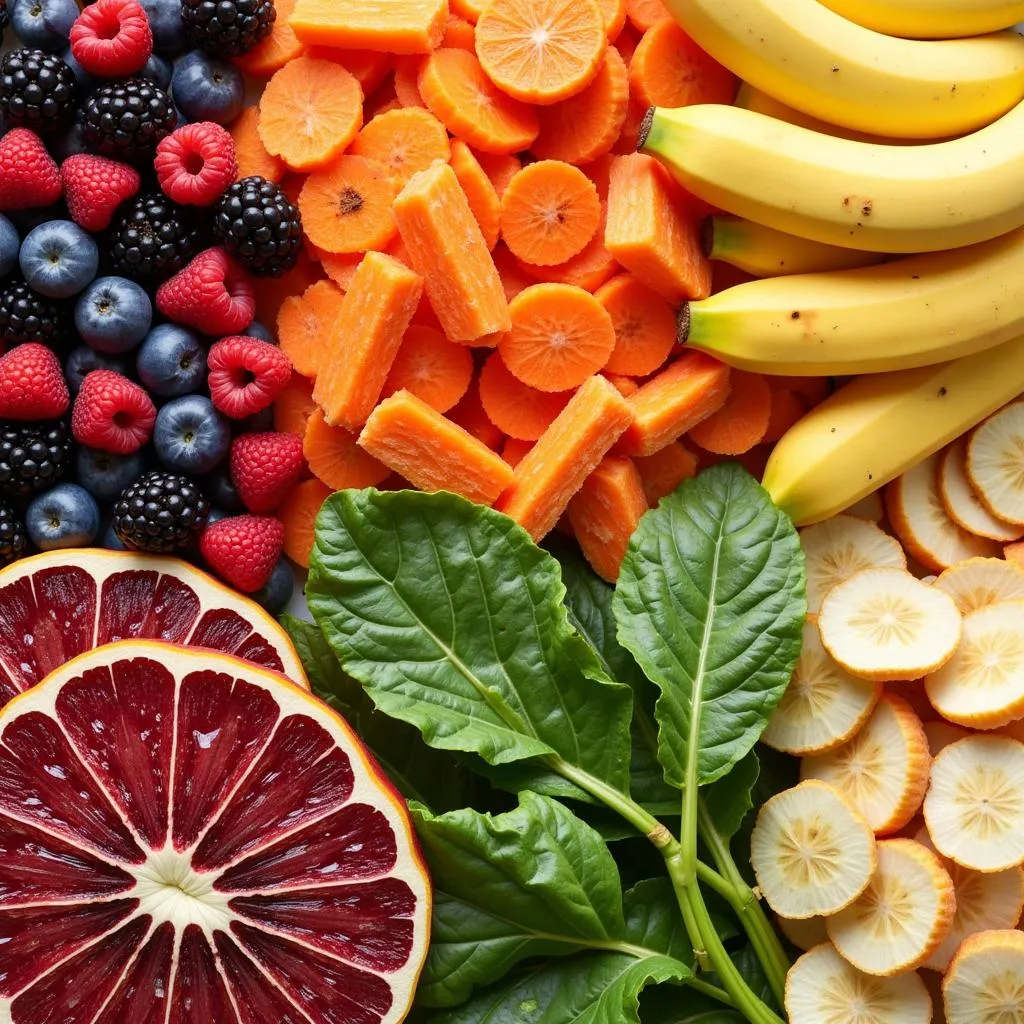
(683, 324)
(645, 128)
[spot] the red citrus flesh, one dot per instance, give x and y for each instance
(58, 605)
(188, 839)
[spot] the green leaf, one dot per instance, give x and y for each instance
(653, 919)
(534, 881)
(710, 601)
(667, 1004)
(730, 799)
(452, 618)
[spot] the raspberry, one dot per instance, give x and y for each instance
(196, 163)
(243, 549)
(28, 175)
(95, 187)
(112, 414)
(246, 375)
(265, 468)
(212, 294)
(112, 38)
(32, 384)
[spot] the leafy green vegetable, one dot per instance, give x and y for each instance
(667, 1005)
(653, 920)
(730, 799)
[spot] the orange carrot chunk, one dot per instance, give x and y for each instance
(335, 459)
(404, 141)
(665, 470)
(368, 68)
(614, 14)
(431, 452)
(741, 422)
(625, 386)
(298, 513)
(251, 154)
(340, 267)
(294, 406)
(645, 14)
(515, 408)
(437, 371)
(588, 269)
(469, 9)
(673, 402)
(566, 454)
(304, 321)
(645, 326)
(447, 248)
(472, 417)
(605, 512)
(281, 46)
(787, 408)
(394, 26)
(358, 354)
(481, 194)
(407, 73)
(651, 235)
(459, 33)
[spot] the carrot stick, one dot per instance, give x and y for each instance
(394, 26)
(742, 420)
(481, 194)
(665, 470)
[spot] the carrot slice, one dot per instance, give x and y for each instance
(513, 280)
(481, 194)
(336, 460)
(598, 171)
(566, 454)
(251, 154)
(549, 212)
(669, 69)
(665, 470)
(673, 402)
(513, 451)
(586, 126)
(645, 325)
(469, 9)
(455, 89)
(358, 354)
(560, 336)
(650, 233)
(645, 14)
(298, 514)
(309, 112)
(340, 267)
(384, 97)
(294, 406)
(429, 366)
(625, 386)
(399, 26)
(274, 290)
(446, 246)
(472, 417)
(541, 51)
(281, 46)
(347, 207)
(787, 408)
(407, 74)
(431, 452)
(459, 33)
(628, 40)
(587, 270)
(741, 422)
(613, 12)
(605, 512)
(369, 68)
(303, 323)
(404, 141)
(501, 168)
(516, 408)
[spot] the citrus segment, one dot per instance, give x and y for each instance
(995, 463)
(985, 982)
(964, 506)
(979, 582)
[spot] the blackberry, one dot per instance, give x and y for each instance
(160, 512)
(33, 456)
(37, 90)
(227, 27)
(28, 316)
(152, 238)
(125, 120)
(13, 540)
(259, 225)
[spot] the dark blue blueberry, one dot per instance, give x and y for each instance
(172, 361)
(258, 330)
(166, 24)
(104, 474)
(84, 79)
(219, 489)
(216, 515)
(207, 89)
(66, 516)
(58, 259)
(190, 436)
(157, 70)
(44, 24)
(69, 142)
(113, 315)
(83, 360)
(9, 245)
(111, 541)
(276, 593)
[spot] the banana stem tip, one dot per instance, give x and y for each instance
(683, 324)
(645, 128)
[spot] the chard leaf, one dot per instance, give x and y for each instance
(728, 801)
(710, 601)
(452, 619)
(653, 919)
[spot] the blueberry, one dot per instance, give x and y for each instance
(275, 594)
(166, 24)
(104, 474)
(216, 515)
(58, 259)
(84, 79)
(111, 541)
(207, 89)
(156, 70)
(258, 330)
(172, 361)
(83, 360)
(9, 245)
(66, 516)
(44, 24)
(69, 142)
(113, 315)
(190, 436)
(219, 489)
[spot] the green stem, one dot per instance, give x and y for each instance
(698, 985)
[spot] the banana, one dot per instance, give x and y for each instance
(930, 19)
(877, 426)
(765, 252)
(910, 312)
(903, 199)
(813, 59)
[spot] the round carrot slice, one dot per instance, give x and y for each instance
(742, 422)
(404, 141)
(645, 325)
(519, 410)
(434, 369)
(347, 207)
(614, 14)
(541, 51)
(645, 14)
(294, 406)
(303, 322)
(455, 89)
(560, 336)
(336, 460)
(309, 112)
(251, 154)
(407, 73)
(549, 212)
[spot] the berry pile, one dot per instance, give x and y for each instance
(136, 390)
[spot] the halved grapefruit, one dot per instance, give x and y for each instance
(60, 604)
(186, 838)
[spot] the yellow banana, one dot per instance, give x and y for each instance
(854, 194)
(765, 252)
(813, 59)
(931, 19)
(878, 426)
(910, 312)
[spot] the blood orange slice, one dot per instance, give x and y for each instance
(186, 838)
(60, 604)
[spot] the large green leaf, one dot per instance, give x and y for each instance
(710, 601)
(653, 919)
(452, 618)
(668, 1004)
(729, 800)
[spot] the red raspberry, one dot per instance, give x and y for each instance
(112, 38)
(196, 163)
(265, 468)
(212, 294)
(246, 375)
(243, 549)
(112, 413)
(28, 175)
(32, 384)
(95, 187)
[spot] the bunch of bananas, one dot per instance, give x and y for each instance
(872, 172)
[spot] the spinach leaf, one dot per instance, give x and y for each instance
(728, 801)
(452, 619)
(653, 919)
(710, 601)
